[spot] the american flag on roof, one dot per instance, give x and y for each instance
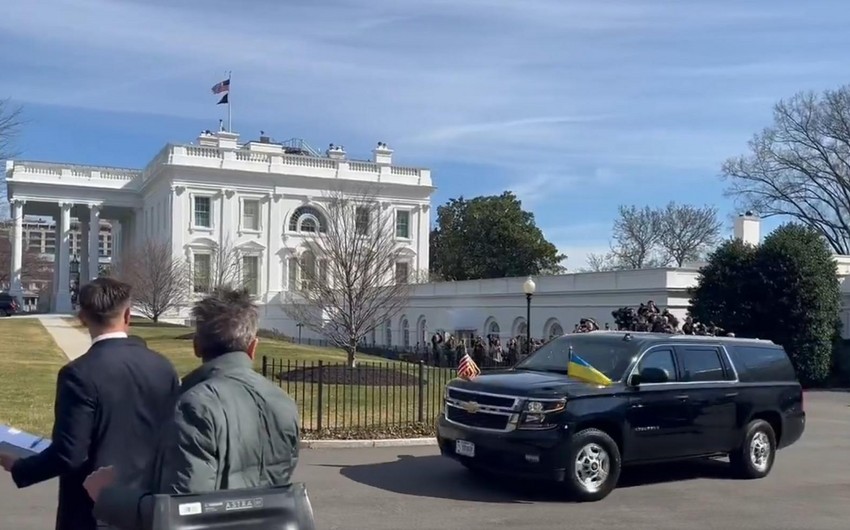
(223, 86)
(467, 369)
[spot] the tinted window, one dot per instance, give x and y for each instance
(762, 363)
(701, 364)
(660, 359)
(609, 354)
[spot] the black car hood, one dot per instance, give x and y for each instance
(527, 383)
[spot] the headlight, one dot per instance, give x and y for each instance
(538, 414)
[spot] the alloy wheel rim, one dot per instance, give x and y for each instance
(760, 451)
(592, 467)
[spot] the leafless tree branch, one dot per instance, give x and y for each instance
(687, 232)
(800, 166)
(637, 232)
(348, 285)
(161, 282)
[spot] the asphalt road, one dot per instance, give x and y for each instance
(414, 488)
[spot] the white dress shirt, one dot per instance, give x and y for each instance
(112, 335)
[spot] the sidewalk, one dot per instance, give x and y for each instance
(71, 340)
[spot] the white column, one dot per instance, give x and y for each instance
(274, 266)
(84, 252)
(17, 262)
(117, 242)
(63, 290)
(55, 287)
(93, 242)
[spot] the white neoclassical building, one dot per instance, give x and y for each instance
(263, 199)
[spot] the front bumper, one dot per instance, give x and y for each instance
(527, 454)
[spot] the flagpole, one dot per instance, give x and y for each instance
(229, 103)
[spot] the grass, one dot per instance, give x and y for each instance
(29, 374)
(29, 362)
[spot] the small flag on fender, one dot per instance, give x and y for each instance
(467, 369)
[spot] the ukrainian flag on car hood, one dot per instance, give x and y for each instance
(581, 370)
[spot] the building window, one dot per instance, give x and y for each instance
(405, 333)
(402, 272)
(307, 268)
(251, 215)
(402, 224)
(361, 220)
(388, 333)
(203, 212)
(201, 273)
(307, 219)
(251, 274)
(292, 273)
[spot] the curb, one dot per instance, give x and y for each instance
(354, 444)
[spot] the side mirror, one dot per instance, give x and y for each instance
(654, 375)
(635, 380)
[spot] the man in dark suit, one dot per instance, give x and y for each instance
(110, 405)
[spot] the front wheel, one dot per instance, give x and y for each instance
(594, 465)
(754, 459)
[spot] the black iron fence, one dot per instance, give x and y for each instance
(331, 395)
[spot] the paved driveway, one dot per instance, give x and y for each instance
(414, 488)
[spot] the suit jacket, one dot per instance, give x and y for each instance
(110, 406)
(232, 429)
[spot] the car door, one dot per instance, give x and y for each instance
(712, 394)
(659, 418)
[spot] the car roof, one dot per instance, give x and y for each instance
(644, 338)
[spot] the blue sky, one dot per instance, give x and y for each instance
(576, 105)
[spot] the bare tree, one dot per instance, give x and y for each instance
(224, 266)
(600, 262)
(800, 165)
(10, 127)
(161, 281)
(637, 232)
(351, 280)
(687, 232)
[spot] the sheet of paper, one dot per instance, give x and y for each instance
(20, 443)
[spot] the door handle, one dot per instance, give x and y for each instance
(731, 394)
(682, 397)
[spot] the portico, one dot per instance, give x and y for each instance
(87, 194)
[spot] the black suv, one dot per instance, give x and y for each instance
(673, 397)
(8, 305)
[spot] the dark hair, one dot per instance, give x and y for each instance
(225, 321)
(103, 300)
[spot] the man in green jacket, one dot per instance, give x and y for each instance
(232, 427)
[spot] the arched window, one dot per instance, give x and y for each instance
(373, 337)
(522, 328)
(388, 333)
(405, 333)
(494, 329)
(423, 330)
(307, 219)
(555, 330)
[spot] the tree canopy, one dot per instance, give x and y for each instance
(785, 290)
(799, 165)
(489, 237)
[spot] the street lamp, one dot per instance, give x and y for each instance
(528, 288)
(299, 326)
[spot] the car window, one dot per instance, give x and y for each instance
(660, 358)
(610, 355)
(763, 364)
(701, 363)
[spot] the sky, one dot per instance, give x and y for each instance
(578, 106)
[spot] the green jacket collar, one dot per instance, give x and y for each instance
(229, 362)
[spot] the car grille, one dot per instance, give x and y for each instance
(482, 410)
(481, 420)
(482, 399)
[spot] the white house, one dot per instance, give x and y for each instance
(266, 198)
(260, 197)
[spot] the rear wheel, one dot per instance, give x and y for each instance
(754, 459)
(594, 466)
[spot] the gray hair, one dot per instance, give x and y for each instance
(226, 321)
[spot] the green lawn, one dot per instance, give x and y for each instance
(29, 374)
(29, 362)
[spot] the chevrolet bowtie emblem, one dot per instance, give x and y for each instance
(471, 407)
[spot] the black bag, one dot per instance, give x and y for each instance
(281, 508)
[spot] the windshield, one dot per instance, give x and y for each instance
(611, 355)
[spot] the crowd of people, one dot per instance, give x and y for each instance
(447, 350)
(649, 317)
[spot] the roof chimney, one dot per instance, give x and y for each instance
(748, 228)
(337, 152)
(382, 155)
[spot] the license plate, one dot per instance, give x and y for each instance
(464, 448)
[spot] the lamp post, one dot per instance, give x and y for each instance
(299, 326)
(528, 288)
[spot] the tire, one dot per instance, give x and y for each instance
(592, 450)
(754, 459)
